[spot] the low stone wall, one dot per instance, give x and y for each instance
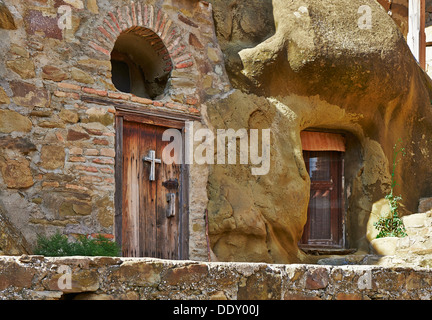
(40, 278)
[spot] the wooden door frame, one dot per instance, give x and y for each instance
(157, 118)
(339, 224)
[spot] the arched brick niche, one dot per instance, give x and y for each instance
(153, 25)
(141, 64)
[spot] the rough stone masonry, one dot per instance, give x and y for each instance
(103, 278)
(254, 65)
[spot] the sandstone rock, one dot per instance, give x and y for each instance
(81, 281)
(11, 121)
(313, 70)
(260, 286)
(425, 204)
(4, 99)
(28, 95)
(70, 116)
(52, 157)
(82, 209)
(19, 50)
(385, 246)
(23, 145)
(53, 73)
(138, 274)
(100, 115)
(12, 241)
(92, 6)
(16, 172)
(74, 135)
(81, 76)
(23, 66)
(6, 18)
(36, 22)
(317, 279)
(192, 273)
(17, 276)
(105, 212)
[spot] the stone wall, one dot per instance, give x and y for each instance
(57, 105)
(37, 277)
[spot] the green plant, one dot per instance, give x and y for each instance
(58, 245)
(392, 225)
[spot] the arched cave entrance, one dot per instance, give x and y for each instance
(141, 64)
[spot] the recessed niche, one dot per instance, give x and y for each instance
(140, 64)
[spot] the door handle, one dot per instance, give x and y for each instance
(171, 199)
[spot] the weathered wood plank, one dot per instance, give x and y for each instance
(146, 229)
(118, 196)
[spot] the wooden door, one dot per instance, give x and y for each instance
(324, 226)
(151, 210)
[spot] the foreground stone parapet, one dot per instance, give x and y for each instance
(104, 278)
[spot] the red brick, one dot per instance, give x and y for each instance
(50, 184)
(191, 100)
(182, 58)
(157, 104)
(107, 170)
(62, 94)
(91, 152)
(75, 187)
(158, 20)
(59, 137)
(105, 235)
(91, 179)
(70, 86)
(77, 159)
(141, 100)
(178, 50)
(105, 33)
(114, 19)
(103, 161)
(122, 96)
(91, 169)
(101, 142)
(102, 93)
(76, 151)
(162, 52)
(176, 106)
(99, 48)
(107, 152)
(183, 65)
(134, 18)
(110, 26)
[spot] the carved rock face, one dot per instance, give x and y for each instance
(316, 69)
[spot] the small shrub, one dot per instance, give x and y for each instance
(58, 245)
(392, 225)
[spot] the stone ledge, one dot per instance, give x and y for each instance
(106, 278)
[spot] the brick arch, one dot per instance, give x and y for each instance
(137, 17)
